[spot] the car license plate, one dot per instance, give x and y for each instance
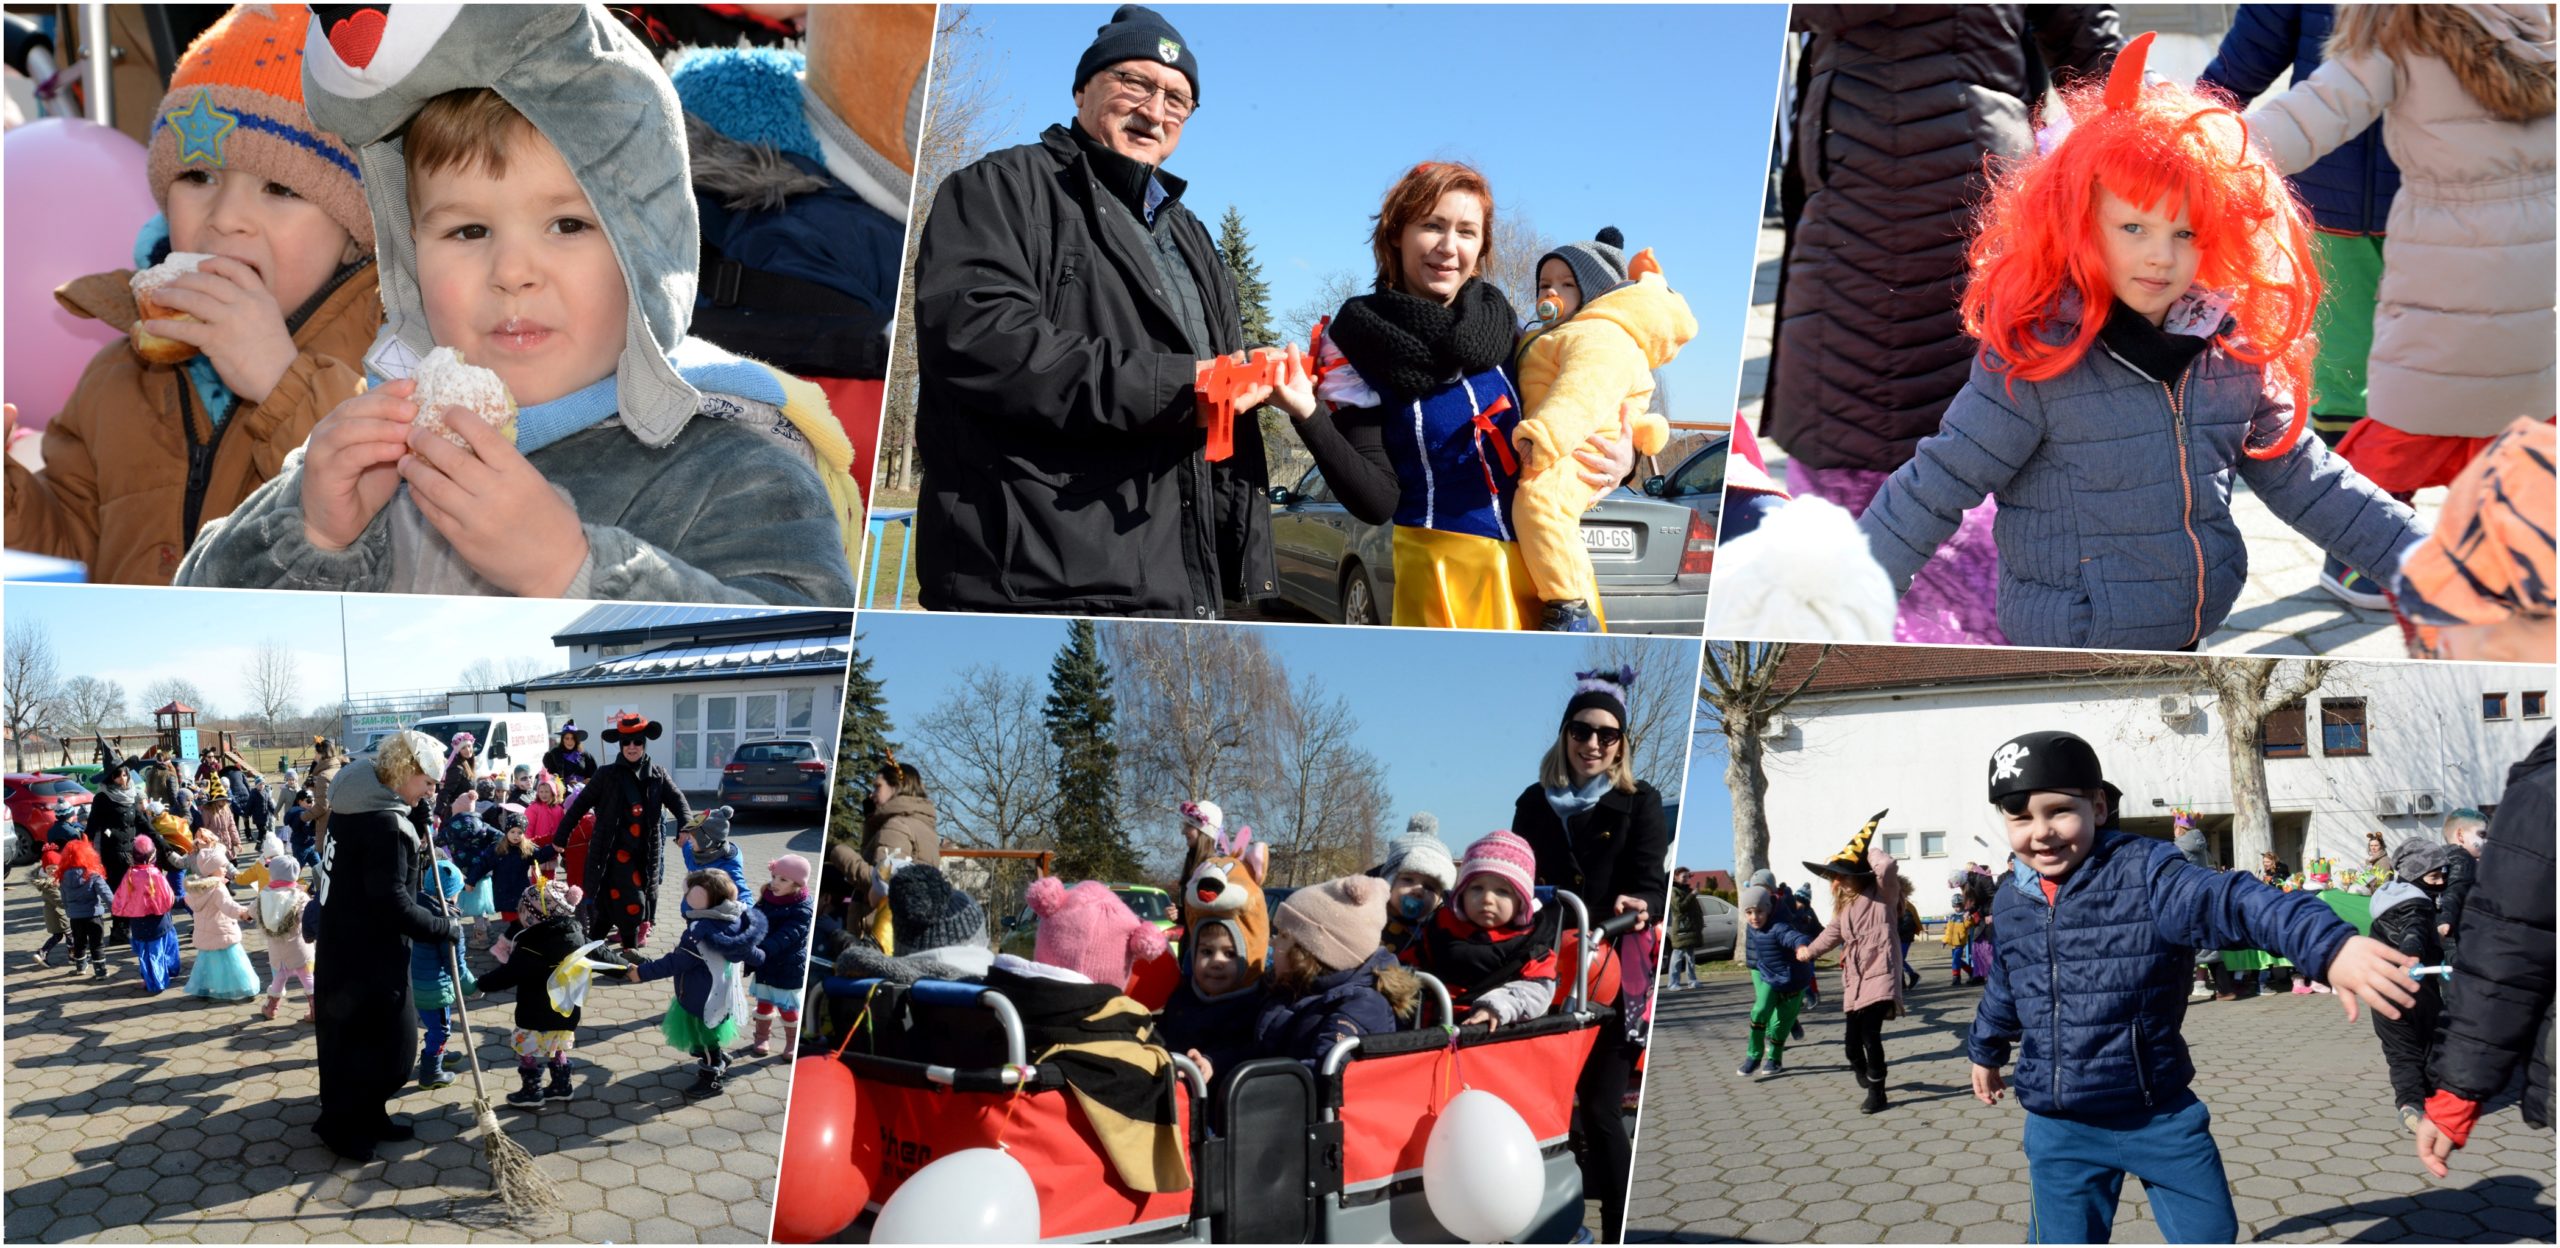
(771, 797)
(1613, 539)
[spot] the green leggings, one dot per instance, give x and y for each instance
(1773, 1015)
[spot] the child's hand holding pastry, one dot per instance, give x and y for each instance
(234, 321)
(497, 509)
(351, 465)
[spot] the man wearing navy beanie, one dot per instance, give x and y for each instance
(1066, 298)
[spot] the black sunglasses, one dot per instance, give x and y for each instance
(1581, 732)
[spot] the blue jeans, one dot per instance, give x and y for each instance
(2076, 1168)
(432, 1021)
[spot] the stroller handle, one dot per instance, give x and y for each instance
(951, 993)
(1190, 1072)
(1438, 994)
(1581, 951)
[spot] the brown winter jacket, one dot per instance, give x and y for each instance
(113, 493)
(902, 826)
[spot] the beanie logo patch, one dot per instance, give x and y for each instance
(2005, 764)
(202, 130)
(1168, 51)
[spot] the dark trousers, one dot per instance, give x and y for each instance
(88, 939)
(1599, 1117)
(2407, 1041)
(1866, 1041)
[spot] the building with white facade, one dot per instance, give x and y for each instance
(715, 676)
(2389, 746)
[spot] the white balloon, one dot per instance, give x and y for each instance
(1481, 1173)
(974, 1196)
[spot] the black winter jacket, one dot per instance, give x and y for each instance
(2500, 1012)
(1902, 105)
(1618, 848)
(1064, 465)
(617, 788)
(540, 949)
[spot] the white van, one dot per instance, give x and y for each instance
(507, 738)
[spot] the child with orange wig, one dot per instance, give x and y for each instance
(2143, 292)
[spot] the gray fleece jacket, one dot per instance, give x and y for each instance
(683, 495)
(2115, 528)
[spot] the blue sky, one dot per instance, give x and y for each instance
(1459, 720)
(394, 642)
(1652, 119)
(1706, 817)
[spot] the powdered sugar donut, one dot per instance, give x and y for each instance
(444, 380)
(153, 348)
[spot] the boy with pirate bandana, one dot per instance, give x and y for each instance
(2098, 931)
(627, 858)
(260, 334)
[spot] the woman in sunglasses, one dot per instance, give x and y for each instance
(1599, 833)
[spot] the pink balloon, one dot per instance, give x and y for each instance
(76, 193)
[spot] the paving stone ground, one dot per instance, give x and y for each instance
(2282, 611)
(171, 1118)
(2300, 1101)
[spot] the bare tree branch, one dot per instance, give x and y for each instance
(31, 680)
(275, 680)
(986, 757)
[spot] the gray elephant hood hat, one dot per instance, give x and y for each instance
(594, 92)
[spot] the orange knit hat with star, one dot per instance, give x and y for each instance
(235, 103)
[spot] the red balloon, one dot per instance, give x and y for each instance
(822, 1191)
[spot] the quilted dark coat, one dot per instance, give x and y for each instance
(1902, 104)
(2093, 986)
(2500, 1016)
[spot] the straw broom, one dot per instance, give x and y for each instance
(527, 1193)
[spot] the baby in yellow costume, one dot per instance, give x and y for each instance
(1604, 327)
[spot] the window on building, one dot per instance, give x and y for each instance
(2493, 706)
(1893, 843)
(688, 731)
(2342, 727)
(555, 708)
(802, 710)
(2537, 703)
(1933, 844)
(2283, 736)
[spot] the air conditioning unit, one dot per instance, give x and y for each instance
(2392, 804)
(2177, 706)
(2424, 804)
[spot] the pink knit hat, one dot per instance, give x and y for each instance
(1338, 921)
(791, 867)
(1089, 930)
(1505, 855)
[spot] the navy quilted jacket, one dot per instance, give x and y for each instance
(2094, 986)
(2349, 190)
(2115, 528)
(1772, 951)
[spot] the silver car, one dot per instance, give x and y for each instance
(1651, 558)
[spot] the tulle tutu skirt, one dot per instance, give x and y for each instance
(686, 1031)
(223, 975)
(479, 900)
(157, 958)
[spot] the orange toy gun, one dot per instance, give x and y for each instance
(1219, 381)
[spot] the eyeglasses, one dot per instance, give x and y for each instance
(1137, 91)
(1581, 733)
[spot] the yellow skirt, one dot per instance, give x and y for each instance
(1459, 580)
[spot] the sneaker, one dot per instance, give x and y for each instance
(98, 969)
(1573, 615)
(1775, 1067)
(2350, 586)
(1750, 1066)
(1797, 1034)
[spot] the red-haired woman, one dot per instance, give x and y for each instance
(1410, 411)
(2143, 296)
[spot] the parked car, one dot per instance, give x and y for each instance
(503, 738)
(29, 790)
(1697, 484)
(776, 774)
(1722, 926)
(1651, 557)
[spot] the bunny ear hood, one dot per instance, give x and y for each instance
(593, 91)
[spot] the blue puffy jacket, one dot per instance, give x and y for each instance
(2095, 985)
(2115, 528)
(2349, 190)
(786, 941)
(1772, 953)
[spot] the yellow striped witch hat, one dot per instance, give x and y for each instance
(1851, 862)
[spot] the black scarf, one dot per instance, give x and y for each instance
(1406, 347)
(1472, 960)
(2160, 355)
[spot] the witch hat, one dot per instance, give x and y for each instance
(1851, 862)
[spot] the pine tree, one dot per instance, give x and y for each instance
(1090, 843)
(1253, 295)
(861, 746)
